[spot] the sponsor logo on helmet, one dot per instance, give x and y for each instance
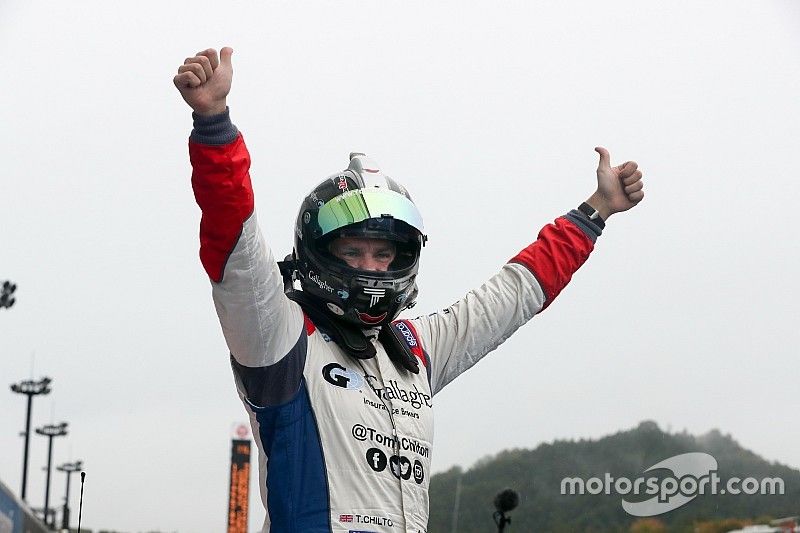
(343, 294)
(335, 309)
(375, 295)
(337, 375)
(316, 200)
(342, 184)
(319, 281)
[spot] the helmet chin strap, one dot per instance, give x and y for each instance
(350, 338)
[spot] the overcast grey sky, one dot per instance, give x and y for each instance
(686, 313)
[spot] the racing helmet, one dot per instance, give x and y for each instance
(358, 202)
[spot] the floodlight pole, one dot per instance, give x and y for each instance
(68, 468)
(50, 431)
(30, 388)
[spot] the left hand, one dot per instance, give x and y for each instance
(618, 188)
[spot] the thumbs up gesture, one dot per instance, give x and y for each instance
(618, 188)
(204, 80)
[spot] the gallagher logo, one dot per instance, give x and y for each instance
(337, 375)
(319, 281)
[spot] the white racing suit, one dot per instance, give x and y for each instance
(345, 444)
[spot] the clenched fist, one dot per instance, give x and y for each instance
(204, 81)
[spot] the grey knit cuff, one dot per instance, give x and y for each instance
(214, 130)
(592, 230)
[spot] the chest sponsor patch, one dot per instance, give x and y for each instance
(339, 376)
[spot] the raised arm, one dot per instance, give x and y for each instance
(263, 329)
(459, 336)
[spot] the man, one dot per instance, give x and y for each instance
(338, 391)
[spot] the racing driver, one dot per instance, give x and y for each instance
(338, 389)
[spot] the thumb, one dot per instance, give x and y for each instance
(225, 56)
(605, 158)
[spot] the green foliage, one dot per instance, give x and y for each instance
(648, 525)
(537, 474)
(720, 526)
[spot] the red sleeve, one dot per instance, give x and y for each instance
(222, 188)
(560, 250)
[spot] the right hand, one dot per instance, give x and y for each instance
(204, 81)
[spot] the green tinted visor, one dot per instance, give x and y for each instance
(359, 205)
